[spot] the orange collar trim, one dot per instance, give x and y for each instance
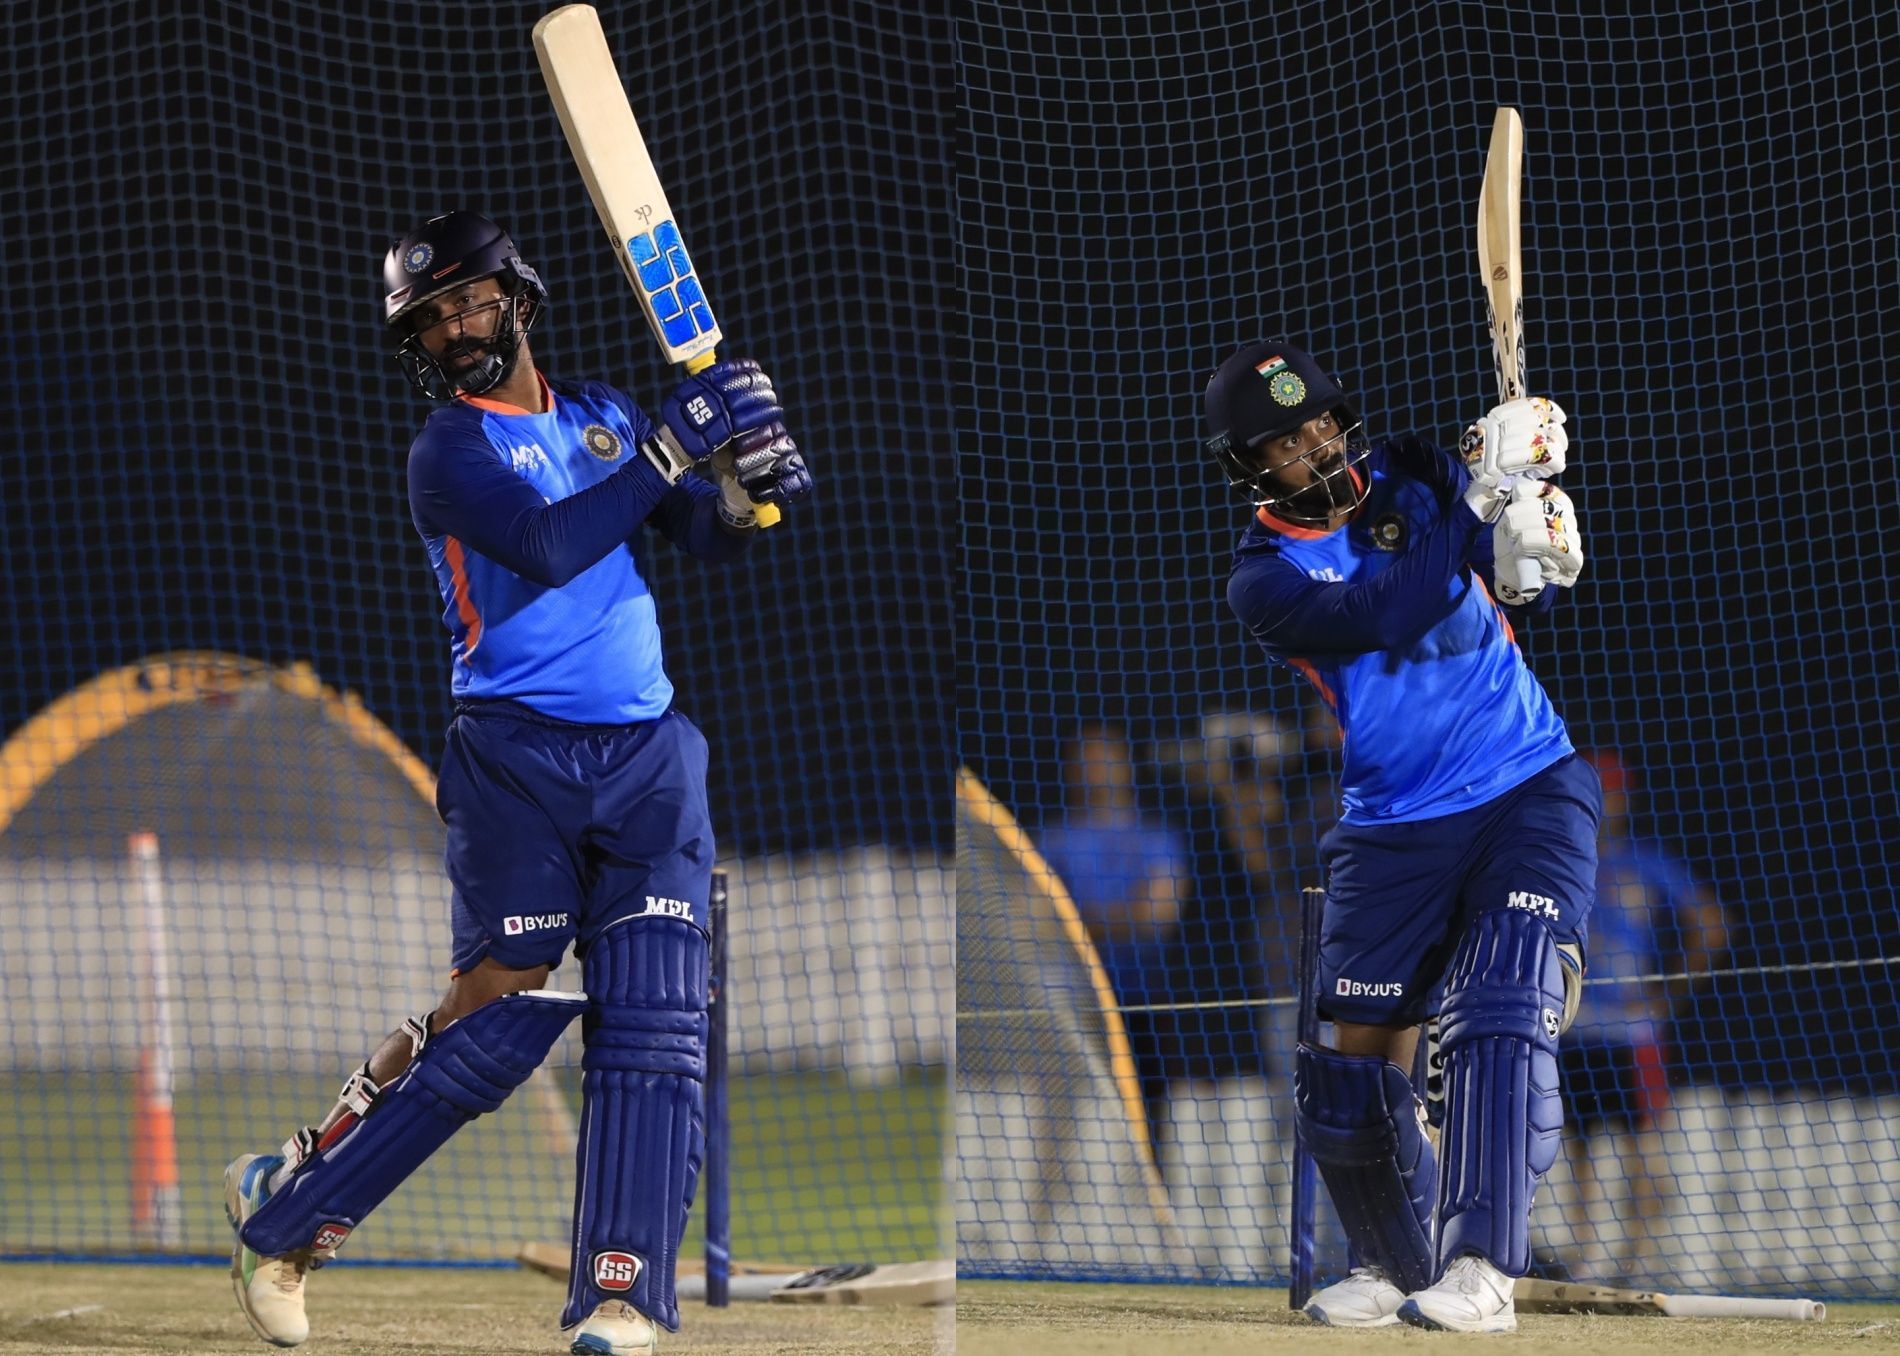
(503, 407)
(1286, 529)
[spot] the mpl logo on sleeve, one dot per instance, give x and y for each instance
(617, 1271)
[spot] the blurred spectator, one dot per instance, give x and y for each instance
(1224, 789)
(1129, 873)
(1651, 917)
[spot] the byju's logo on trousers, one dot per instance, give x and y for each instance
(517, 923)
(1358, 988)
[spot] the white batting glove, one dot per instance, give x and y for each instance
(1521, 439)
(1537, 529)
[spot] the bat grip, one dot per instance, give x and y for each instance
(765, 515)
(1529, 577)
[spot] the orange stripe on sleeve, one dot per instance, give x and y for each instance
(1504, 621)
(464, 603)
(1312, 676)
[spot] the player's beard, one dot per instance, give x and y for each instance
(490, 361)
(1331, 491)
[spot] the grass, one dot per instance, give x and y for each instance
(56, 1310)
(822, 1170)
(1007, 1318)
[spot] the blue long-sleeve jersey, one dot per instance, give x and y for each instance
(531, 522)
(1391, 617)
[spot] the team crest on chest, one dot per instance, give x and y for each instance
(1388, 532)
(602, 441)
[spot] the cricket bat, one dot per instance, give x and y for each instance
(901, 1283)
(1501, 269)
(1565, 1297)
(614, 162)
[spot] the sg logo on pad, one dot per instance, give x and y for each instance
(617, 1270)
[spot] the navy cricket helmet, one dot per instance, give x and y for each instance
(444, 252)
(1266, 391)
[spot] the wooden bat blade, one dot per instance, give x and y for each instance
(902, 1283)
(1571, 1297)
(1500, 254)
(591, 103)
(905, 1283)
(1568, 1297)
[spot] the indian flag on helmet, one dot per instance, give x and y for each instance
(1285, 385)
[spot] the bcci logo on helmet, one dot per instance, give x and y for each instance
(419, 257)
(617, 1271)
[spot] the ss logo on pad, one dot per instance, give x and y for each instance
(617, 1270)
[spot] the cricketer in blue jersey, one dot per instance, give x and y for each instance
(573, 792)
(1464, 860)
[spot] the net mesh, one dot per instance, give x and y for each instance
(1708, 228)
(211, 459)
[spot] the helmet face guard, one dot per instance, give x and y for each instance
(446, 252)
(1265, 392)
(494, 354)
(1332, 482)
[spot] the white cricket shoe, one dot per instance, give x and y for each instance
(269, 1289)
(615, 1328)
(1365, 1299)
(1472, 1296)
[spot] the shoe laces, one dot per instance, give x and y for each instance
(1467, 1275)
(1368, 1274)
(290, 1271)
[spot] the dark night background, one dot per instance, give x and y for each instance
(209, 432)
(1709, 238)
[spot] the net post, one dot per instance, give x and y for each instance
(718, 1133)
(1305, 1173)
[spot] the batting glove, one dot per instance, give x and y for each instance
(760, 467)
(1539, 524)
(1520, 440)
(707, 411)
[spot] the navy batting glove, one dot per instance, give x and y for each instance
(726, 401)
(768, 466)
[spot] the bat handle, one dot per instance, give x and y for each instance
(765, 515)
(1529, 578)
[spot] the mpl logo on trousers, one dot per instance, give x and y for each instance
(617, 1270)
(516, 923)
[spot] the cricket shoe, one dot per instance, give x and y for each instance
(1365, 1299)
(269, 1289)
(1472, 1296)
(615, 1328)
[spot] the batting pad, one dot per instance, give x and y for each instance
(466, 1070)
(643, 1126)
(1360, 1120)
(1498, 1028)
